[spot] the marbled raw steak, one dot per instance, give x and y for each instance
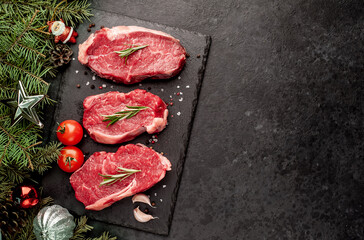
(86, 180)
(152, 120)
(164, 57)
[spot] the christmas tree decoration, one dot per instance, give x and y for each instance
(53, 223)
(60, 55)
(62, 32)
(12, 218)
(25, 196)
(24, 106)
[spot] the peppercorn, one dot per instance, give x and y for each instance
(153, 204)
(92, 24)
(101, 27)
(88, 29)
(78, 85)
(92, 86)
(149, 88)
(100, 87)
(146, 210)
(85, 73)
(171, 103)
(198, 56)
(178, 94)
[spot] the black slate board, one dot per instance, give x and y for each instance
(173, 141)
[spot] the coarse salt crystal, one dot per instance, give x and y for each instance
(73, 59)
(161, 200)
(85, 135)
(181, 99)
(179, 113)
(179, 77)
(170, 96)
(111, 86)
(88, 83)
(162, 90)
(178, 86)
(76, 71)
(104, 85)
(140, 84)
(155, 194)
(164, 186)
(93, 77)
(188, 86)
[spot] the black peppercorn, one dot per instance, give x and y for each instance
(78, 85)
(85, 73)
(187, 55)
(146, 210)
(149, 88)
(90, 26)
(93, 25)
(198, 56)
(92, 86)
(101, 27)
(88, 29)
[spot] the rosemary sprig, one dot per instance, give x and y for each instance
(126, 52)
(129, 112)
(124, 173)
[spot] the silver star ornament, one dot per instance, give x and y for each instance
(25, 106)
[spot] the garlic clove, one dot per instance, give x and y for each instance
(140, 197)
(142, 217)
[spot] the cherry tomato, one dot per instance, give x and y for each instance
(69, 132)
(70, 159)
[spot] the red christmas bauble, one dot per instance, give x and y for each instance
(25, 196)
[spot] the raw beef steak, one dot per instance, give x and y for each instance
(153, 119)
(86, 180)
(164, 57)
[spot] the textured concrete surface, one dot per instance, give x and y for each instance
(276, 149)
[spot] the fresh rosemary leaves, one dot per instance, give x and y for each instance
(130, 112)
(123, 173)
(126, 52)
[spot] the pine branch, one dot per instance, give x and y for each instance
(25, 152)
(21, 35)
(104, 236)
(81, 228)
(25, 71)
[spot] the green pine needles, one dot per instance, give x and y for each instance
(24, 55)
(24, 47)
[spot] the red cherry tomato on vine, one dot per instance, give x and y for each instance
(70, 159)
(69, 132)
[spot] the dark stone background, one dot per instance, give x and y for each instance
(276, 149)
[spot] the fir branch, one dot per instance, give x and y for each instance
(25, 152)
(25, 71)
(21, 35)
(31, 49)
(81, 228)
(104, 236)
